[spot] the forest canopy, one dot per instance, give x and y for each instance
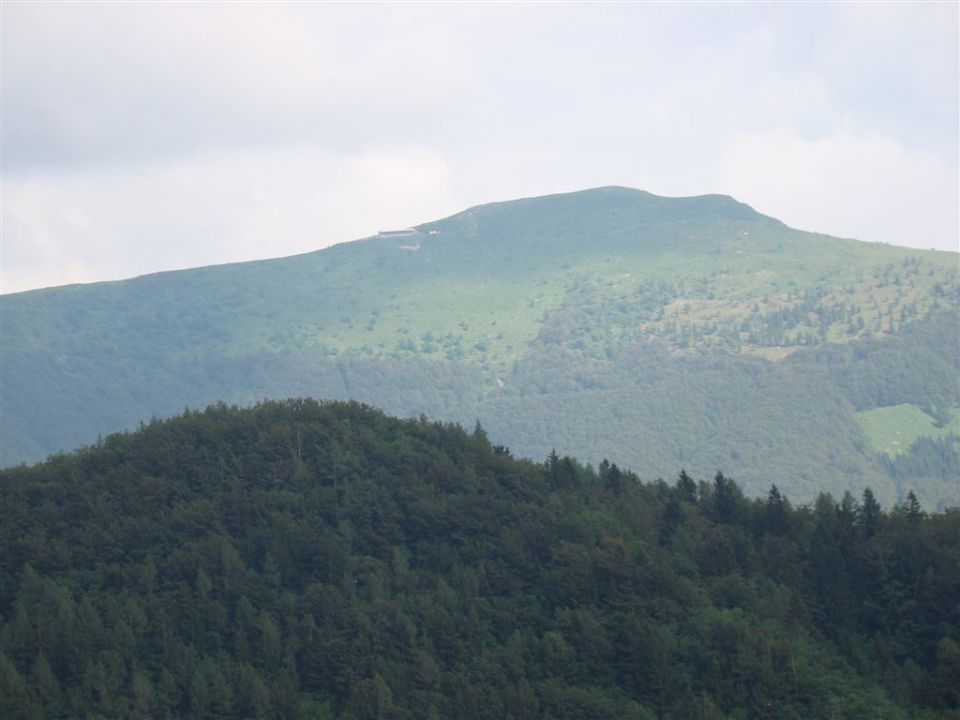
(302, 560)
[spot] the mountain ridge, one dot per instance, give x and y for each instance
(624, 191)
(611, 194)
(548, 293)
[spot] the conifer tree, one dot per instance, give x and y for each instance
(869, 514)
(686, 487)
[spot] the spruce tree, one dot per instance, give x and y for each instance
(869, 513)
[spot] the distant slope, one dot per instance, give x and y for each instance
(299, 560)
(525, 314)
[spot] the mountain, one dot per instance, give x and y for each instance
(665, 332)
(306, 560)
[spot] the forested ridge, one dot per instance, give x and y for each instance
(322, 560)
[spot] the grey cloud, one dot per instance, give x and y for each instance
(90, 83)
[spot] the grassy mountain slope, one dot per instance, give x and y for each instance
(305, 560)
(470, 318)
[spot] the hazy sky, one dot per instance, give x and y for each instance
(141, 137)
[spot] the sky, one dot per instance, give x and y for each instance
(141, 137)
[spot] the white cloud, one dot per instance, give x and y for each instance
(127, 82)
(113, 222)
(900, 197)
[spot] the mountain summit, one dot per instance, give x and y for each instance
(613, 322)
(620, 206)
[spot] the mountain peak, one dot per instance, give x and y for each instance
(609, 212)
(619, 203)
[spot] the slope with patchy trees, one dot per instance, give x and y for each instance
(656, 319)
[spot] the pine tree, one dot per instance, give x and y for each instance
(869, 513)
(912, 507)
(686, 487)
(552, 466)
(726, 499)
(776, 511)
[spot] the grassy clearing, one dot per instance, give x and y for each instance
(892, 430)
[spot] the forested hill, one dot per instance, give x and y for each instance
(665, 332)
(305, 560)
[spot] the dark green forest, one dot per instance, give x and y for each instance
(322, 560)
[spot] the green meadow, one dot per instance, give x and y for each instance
(892, 430)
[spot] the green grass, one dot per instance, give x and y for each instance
(892, 430)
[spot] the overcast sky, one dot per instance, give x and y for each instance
(142, 137)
